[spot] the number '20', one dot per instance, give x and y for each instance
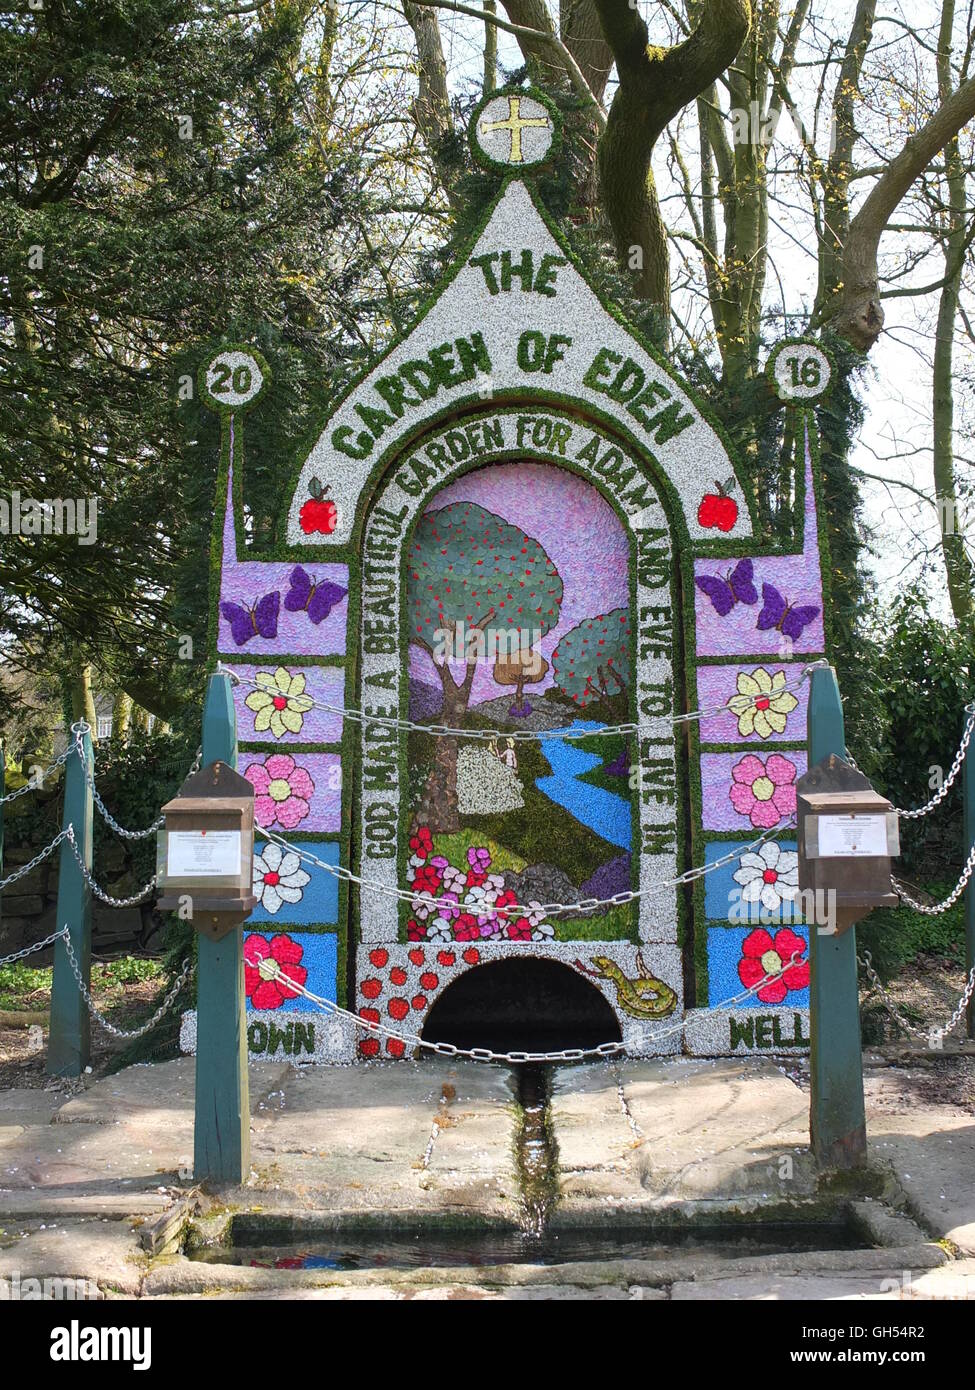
(238, 380)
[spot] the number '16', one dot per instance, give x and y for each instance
(807, 374)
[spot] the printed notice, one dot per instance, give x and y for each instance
(852, 837)
(203, 854)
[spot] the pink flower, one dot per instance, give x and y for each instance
(282, 791)
(764, 791)
(479, 859)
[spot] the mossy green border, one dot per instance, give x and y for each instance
(283, 550)
(226, 407)
(497, 166)
(800, 402)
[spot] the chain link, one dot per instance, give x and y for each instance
(33, 784)
(892, 1008)
(524, 909)
(946, 785)
(936, 909)
(79, 730)
(271, 970)
(37, 946)
(519, 735)
(100, 1018)
(98, 891)
(66, 834)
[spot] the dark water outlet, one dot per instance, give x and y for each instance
(535, 1153)
(524, 1004)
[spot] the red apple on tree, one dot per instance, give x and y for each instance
(717, 509)
(319, 513)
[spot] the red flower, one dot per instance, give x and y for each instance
(475, 880)
(415, 932)
(421, 843)
(519, 931)
(466, 928)
(504, 900)
(285, 953)
(762, 955)
(426, 880)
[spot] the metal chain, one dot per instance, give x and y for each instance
(524, 909)
(98, 891)
(518, 735)
(946, 785)
(99, 1017)
(79, 730)
(37, 946)
(66, 834)
(892, 1008)
(271, 970)
(34, 783)
(937, 909)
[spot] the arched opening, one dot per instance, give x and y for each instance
(523, 1004)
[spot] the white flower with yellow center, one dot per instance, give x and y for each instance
(279, 703)
(761, 705)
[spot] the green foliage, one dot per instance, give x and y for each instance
(472, 567)
(913, 709)
(592, 660)
(158, 177)
(896, 936)
(20, 984)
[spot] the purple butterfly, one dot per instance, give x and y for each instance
(725, 592)
(781, 616)
(307, 595)
(260, 620)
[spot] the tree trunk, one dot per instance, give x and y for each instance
(438, 804)
(122, 716)
(82, 698)
(958, 569)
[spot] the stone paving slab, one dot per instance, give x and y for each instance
(638, 1132)
(930, 1152)
(392, 1138)
(955, 1282)
(105, 1253)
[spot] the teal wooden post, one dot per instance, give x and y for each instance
(69, 1043)
(968, 794)
(221, 1136)
(837, 1122)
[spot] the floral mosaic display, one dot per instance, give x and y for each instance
(465, 902)
(738, 958)
(293, 891)
(738, 692)
(743, 890)
(300, 791)
(750, 789)
(285, 707)
(520, 463)
(308, 959)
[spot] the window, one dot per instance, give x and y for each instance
(104, 726)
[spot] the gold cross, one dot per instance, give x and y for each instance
(516, 123)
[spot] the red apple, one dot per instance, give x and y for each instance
(417, 955)
(369, 1047)
(397, 975)
(398, 1009)
(718, 510)
(394, 1047)
(472, 955)
(371, 989)
(428, 980)
(379, 957)
(319, 513)
(369, 1015)
(446, 958)
(419, 1002)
